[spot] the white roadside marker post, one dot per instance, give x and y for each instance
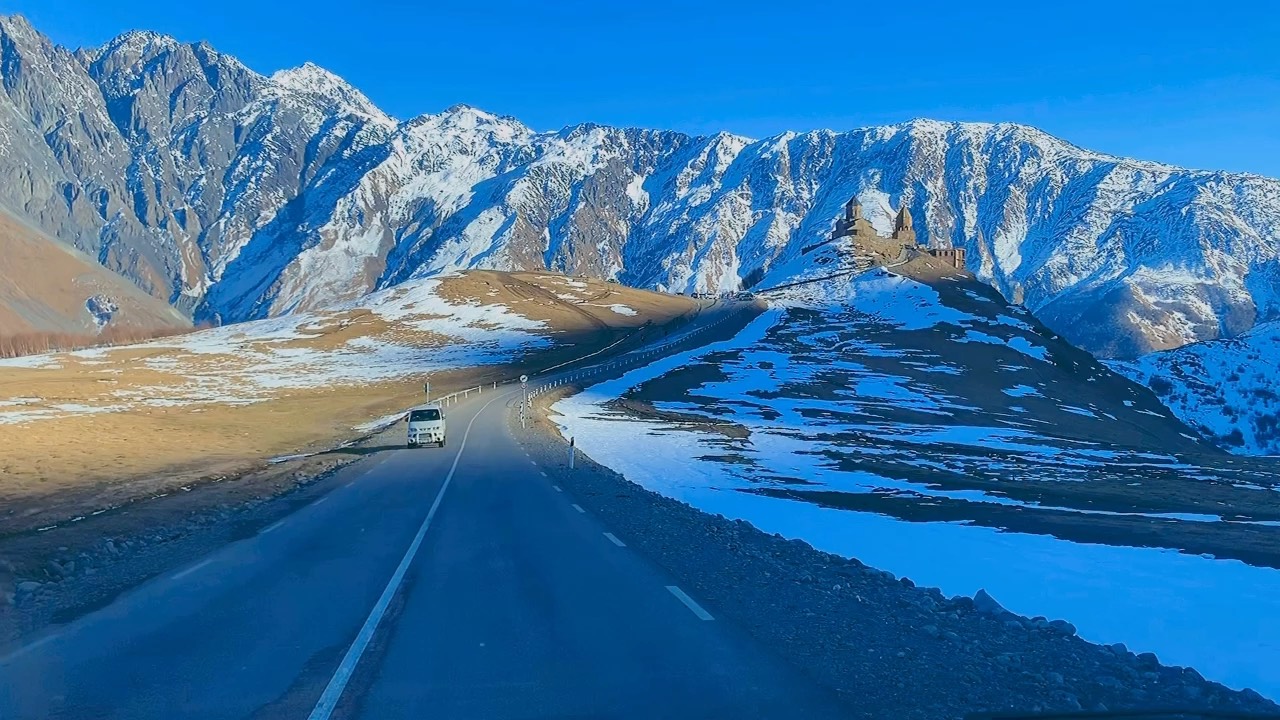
(524, 389)
(571, 453)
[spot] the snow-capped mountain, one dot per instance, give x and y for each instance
(1227, 389)
(236, 195)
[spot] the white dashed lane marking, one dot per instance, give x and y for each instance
(690, 603)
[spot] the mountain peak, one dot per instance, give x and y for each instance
(309, 77)
(470, 117)
(137, 42)
(313, 79)
(474, 114)
(460, 108)
(16, 23)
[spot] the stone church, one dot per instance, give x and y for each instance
(853, 225)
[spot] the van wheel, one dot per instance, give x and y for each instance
(413, 445)
(441, 443)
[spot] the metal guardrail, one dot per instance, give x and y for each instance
(456, 396)
(632, 359)
(1158, 714)
(843, 273)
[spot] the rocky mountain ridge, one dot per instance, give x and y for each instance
(235, 195)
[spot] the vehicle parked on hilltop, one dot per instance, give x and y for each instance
(426, 425)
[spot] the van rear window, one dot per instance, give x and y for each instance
(423, 415)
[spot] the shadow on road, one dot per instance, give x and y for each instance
(363, 450)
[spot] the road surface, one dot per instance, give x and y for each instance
(444, 583)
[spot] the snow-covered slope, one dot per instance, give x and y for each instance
(1228, 389)
(236, 195)
(936, 432)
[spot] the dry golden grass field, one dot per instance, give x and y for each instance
(92, 429)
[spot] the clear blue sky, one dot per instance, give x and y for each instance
(1196, 84)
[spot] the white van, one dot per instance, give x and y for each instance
(426, 425)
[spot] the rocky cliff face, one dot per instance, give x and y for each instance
(235, 195)
(52, 296)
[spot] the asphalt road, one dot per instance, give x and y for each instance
(444, 583)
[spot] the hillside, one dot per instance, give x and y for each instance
(917, 422)
(1227, 389)
(177, 411)
(48, 288)
(238, 195)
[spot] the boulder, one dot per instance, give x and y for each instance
(1063, 627)
(987, 605)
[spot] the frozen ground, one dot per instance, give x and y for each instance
(872, 426)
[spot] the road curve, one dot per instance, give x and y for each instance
(504, 601)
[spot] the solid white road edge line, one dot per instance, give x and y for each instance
(183, 573)
(273, 526)
(557, 487)
(578, 507)
(333, 691)
(26, 648)
(690, 603)
(614, 539)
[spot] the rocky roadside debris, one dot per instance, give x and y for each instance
(890, 648)
(56, 576)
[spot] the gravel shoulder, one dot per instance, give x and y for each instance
(56, 576)
(891, 648)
